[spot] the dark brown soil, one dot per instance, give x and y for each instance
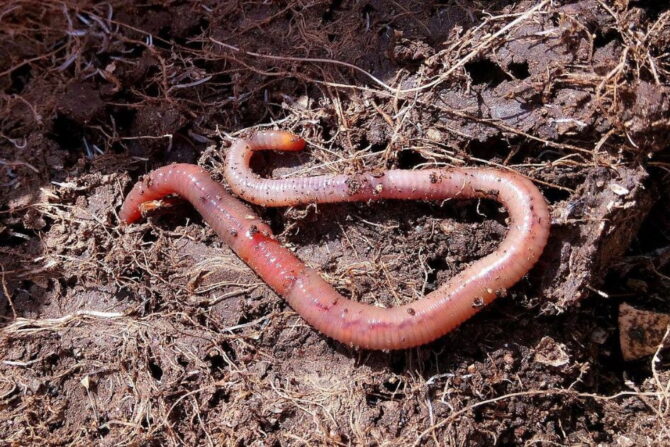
(156, 334)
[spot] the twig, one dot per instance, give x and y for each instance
(30, 325)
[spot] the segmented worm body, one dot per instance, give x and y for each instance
(307, 293)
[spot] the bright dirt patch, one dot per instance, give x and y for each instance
(156, 334)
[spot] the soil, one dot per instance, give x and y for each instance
(156, 334)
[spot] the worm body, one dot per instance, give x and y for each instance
(307, 293)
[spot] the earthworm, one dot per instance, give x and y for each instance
(348, 321)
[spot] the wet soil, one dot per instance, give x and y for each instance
(156, 334)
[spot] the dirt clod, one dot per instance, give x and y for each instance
(641, 332)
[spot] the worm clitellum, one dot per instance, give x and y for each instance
(307, 293)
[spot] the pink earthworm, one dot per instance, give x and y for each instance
(348, 321)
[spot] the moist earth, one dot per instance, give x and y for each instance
(156, 334)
